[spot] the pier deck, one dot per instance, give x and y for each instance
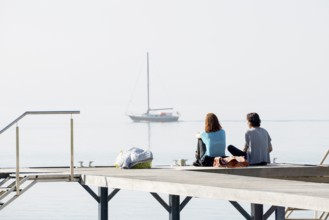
(271, 185)
(286, 193)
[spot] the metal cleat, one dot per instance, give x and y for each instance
(81, 163)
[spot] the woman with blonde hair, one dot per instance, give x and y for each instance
(211, 142)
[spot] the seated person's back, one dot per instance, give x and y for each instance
(211, 142)
(215, 143)
(257, 143)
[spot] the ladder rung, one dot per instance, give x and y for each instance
(4, 181)
(2, 189)
(10, 200)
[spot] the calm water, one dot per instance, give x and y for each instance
(45, 142)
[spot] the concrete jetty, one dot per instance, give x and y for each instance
(280, 186)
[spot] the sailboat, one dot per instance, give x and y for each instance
(154, 114)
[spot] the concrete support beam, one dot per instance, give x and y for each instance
(160, 200)
(184, 203)
(102, 199)
(257, 211)
(174, 213)
(103, 203)
(279, 213)
(241, 210)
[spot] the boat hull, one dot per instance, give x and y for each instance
(154, 118)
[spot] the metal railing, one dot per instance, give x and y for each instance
(324, 158)
(17, 139)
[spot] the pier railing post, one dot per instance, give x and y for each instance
(17, 160)
(72, 152)
(174, 207)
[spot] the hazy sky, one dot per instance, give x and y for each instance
(228, 57)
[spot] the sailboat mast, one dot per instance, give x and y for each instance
(148, 84)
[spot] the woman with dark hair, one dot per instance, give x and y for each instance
(257, 143)
(211, 142)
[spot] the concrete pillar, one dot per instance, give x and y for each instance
(257, 211)
(103, 203)
(174, 213)
(280, 213)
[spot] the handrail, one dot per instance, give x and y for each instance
(17, 140)
(324, 157)
(37, 113)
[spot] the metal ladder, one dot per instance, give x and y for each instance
(13, 185)
(8, 192)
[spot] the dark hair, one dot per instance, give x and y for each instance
(254, 119)
(211, 123)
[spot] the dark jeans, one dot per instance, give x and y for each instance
(201, 158)
(200, 149)
(237, 152)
